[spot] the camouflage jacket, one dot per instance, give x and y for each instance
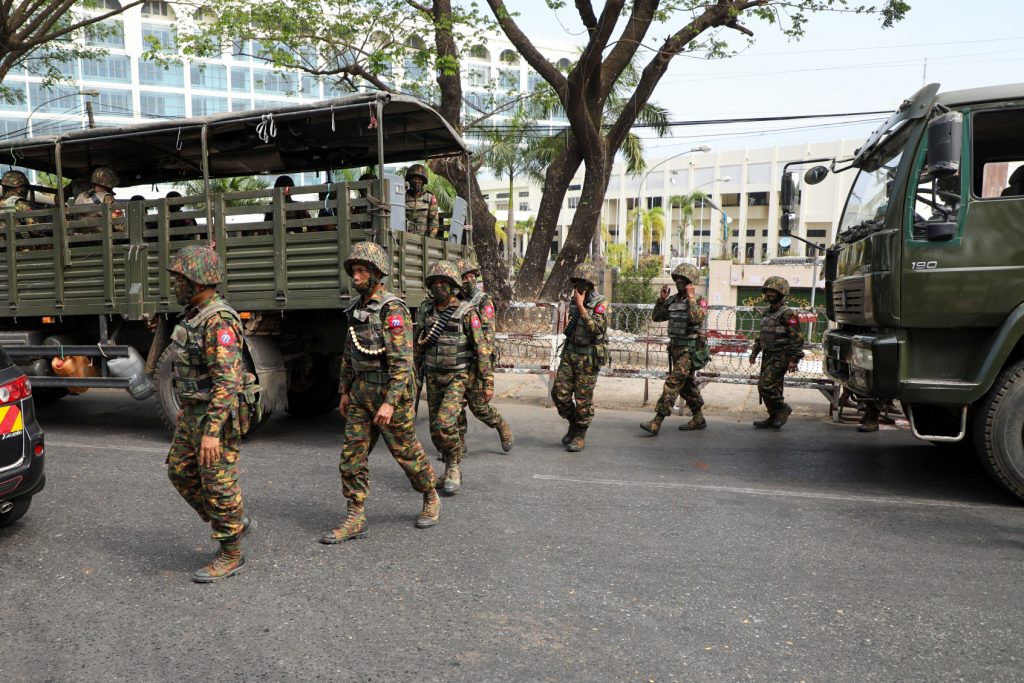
(396, 329)
(421, 213)
(222, 344)
(12, 202)
(472, 330)
(484, 305)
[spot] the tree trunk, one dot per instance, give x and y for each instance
(556, 183)
(577, 242)
(510, 226)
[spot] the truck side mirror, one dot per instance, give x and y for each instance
(815, 175)
(945, 135)
(790, 192)
(787, 222)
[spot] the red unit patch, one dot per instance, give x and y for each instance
(489, 310)
(600, 308)
(226, 337)
(475, 322)
(703, 303)
(395, 323)
(793, 322)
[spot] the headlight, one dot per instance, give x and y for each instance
(860, 356)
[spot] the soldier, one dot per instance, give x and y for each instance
(420, 204)
(208, 379)
(782, 344)
(15, 197)
(584, 352)
(103, 180)
(377, 393)
(480, 391)
(685, 313)
(451, 341)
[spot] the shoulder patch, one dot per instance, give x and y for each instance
(475, 322)
(600, 308)
(433, 199)
(489, 310)
(792, 321)
(396, 323)
(226, 337)
(703, 302)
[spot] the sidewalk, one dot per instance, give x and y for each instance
(628, 394)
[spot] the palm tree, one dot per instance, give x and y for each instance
(686, 203)
(196, 188)
(652, 223)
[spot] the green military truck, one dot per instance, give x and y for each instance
(925, 281)
(89, 282)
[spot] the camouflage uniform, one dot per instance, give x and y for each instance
(450, 343)
(781, 342)
(478, 386)
(15, 187)
(208, 379)
(583, 354)
(685, 317)
(421, 209)
(103, 180)
(377, 368)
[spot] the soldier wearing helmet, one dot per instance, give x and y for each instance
(210, 382)
(782, 345)
(420, 204)
(103, 180)
(584, 352)
(15, 197)
(480, 392)
(451, 341)
(377, 384)
(685, 313)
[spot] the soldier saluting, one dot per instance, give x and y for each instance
(377, 393)
(685, 313)
(451, 342)
(208, 380)
(782, 344)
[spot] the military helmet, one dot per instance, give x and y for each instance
(14, 179)
(105, 176)
(467, 265)
(445, 270)
(199, 264)
(688, 271)
(370, 253)
(777, 283)
(416, 170)
(368, 176)
(585, 272)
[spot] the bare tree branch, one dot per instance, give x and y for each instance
(525, 46)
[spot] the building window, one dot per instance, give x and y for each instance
(241, 50)
(653, 202)
(501, 205)
(524, 193)
(158, 36)
(573, 202)
(509, 57)
(479, 75)
(575, 188)
(480, 52)
(730, 199)
(107, 34)
(157, 9)
(757, 199)
(56, 99)
(203, 105)
(240, 105)
(502, 195)
(162, 105)
(17, 102)
(240, 80)
(508, 79)
(115, 102)
(151, 73)
(524, 206)
(209, 76)
(816, 233)
(273, 82)
(113, 68)
(750, 233)
(533, 81)
(759, 174)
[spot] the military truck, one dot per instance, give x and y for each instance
(925, 281)
(90, 283)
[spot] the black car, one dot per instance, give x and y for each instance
(21, 443)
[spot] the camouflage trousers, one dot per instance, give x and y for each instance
(212, 491)
(476, 400)
(771, 381)
(573, 392)
(445, 393)
(681, 382)
(361, 434)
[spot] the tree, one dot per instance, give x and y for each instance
(594, 139)
(390, 45)
(686, 203)
(653, 227)
(42, 36)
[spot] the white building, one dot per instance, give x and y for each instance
(750, 198)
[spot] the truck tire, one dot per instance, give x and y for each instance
(48, 394)
(999, 430)
(17, 512)
(168, 402)
(314, 393)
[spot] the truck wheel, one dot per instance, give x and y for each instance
(48, 394)
(999, 430)
(314, 393)
(17, 512)
(168, 400)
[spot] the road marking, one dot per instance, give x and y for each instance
(782, 493)
(107, 447)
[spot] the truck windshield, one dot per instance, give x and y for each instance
(869, 196)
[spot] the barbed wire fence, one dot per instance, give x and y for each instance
(529, 337)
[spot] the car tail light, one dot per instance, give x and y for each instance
(16, 390)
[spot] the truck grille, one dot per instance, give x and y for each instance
(848, 300)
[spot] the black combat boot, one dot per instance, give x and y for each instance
(578, 442)
(765, 423)
(569, 435)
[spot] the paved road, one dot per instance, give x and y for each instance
(814, 554)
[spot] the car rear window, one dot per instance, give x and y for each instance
(5, 360)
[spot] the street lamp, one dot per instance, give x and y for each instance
(637, 231)
(88, 93)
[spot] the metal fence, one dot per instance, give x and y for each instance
(529, 336)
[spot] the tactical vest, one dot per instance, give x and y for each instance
(451, 351)
(366, 333)
(417, 211)
(581, 336)
(480, 301)
(191, 374)
(774, 332)
(682, 328)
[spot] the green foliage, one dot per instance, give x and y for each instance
(634, 286)
(617, 255)
(652, 222)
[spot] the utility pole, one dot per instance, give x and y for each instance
(89, 114)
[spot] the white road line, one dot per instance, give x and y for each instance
(781, 493)
(107, 447)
